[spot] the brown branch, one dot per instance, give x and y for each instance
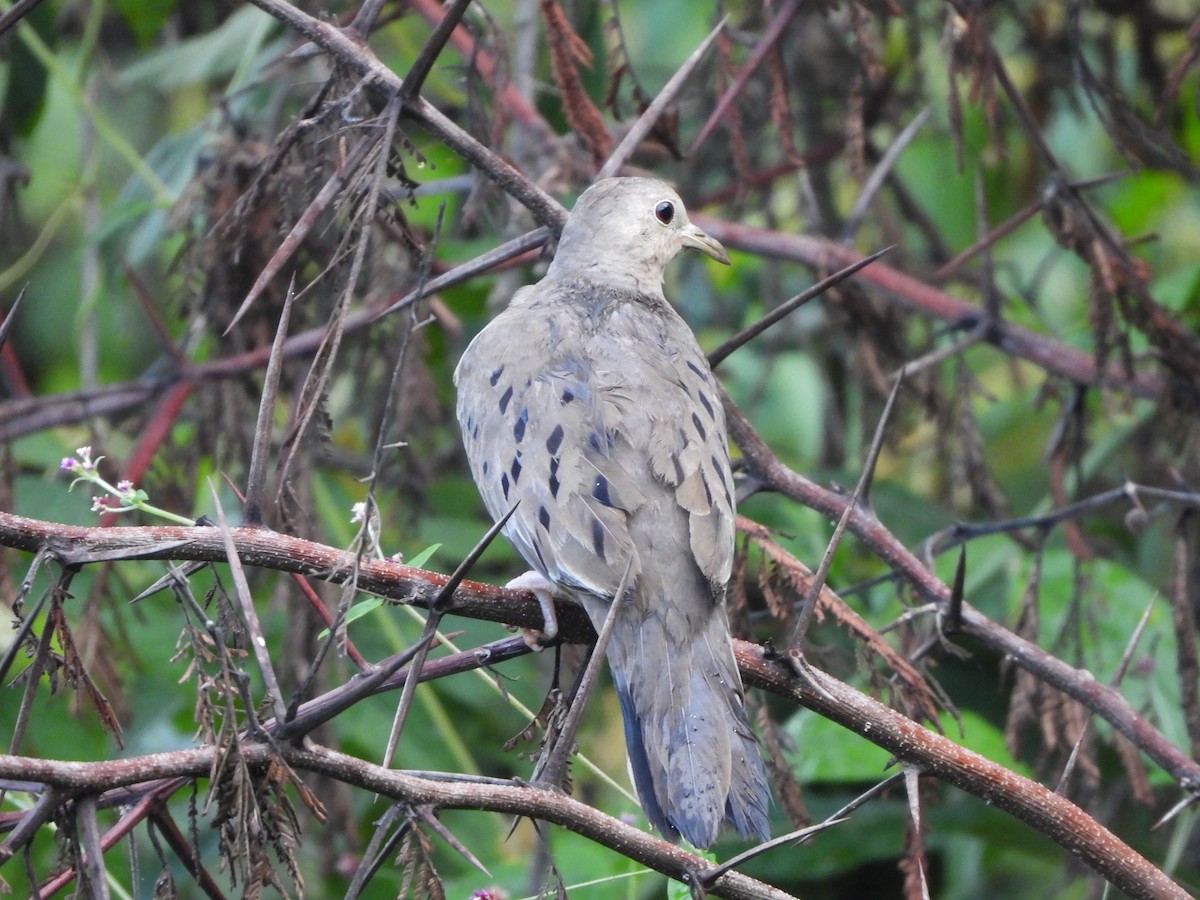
(1079, 684)
(1051, 355)
(78, 545)
(911, 743)
(75, 545)
(79, 778)
(1052, 815)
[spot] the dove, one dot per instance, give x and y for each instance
(588, 404)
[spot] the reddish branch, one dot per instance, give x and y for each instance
(912, 743)
(78, 779)
(825, 255)
(1077, 683)
(25, 416)
(74, 545)
(932, 754)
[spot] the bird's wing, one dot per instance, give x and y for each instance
(612, 439)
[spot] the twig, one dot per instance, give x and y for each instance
(95, 880)
(553, 763)
(1117, 677)
(747, 334)
(648, 119)
(384, 838)
(14, 15)
(1011, 224)
(10, 318)
(432, 48)
(330, 191)
(960, 532)
(1051, 355)
(264, 426)
(880, 174)
(257, 639)
(770, 36)
(438, 608)
(861, 491)
(485, 262)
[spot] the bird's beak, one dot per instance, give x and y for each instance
(696, 238)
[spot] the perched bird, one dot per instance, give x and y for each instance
(589, 401)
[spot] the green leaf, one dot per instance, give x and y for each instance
(198, 60)
(145, 18)
(421, 558)
(23, 78)
(357, 611)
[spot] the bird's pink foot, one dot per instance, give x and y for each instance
(544, 591)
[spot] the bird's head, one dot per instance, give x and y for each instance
(629, 228)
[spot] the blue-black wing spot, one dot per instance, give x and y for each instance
(554, 483)
(707, 405)
(699, 371)
(544, 517)
(504, 484)
(699, 426)
(516, 470)
(519, 425)
(598, 538)
(600, 490)
(498, 371)
(505, 398)
(485, 467)
(720, 469)
(567, 397)
(555, 440)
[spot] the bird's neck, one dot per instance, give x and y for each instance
(609, 276)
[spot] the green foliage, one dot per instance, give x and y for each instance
(143, 124)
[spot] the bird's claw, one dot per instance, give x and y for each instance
(543, 590)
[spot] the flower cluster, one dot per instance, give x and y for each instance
(126, 496)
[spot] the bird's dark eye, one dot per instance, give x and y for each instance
(665, 212)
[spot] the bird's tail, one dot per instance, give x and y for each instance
(694, 758)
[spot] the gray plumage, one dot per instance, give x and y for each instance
(589, 400)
